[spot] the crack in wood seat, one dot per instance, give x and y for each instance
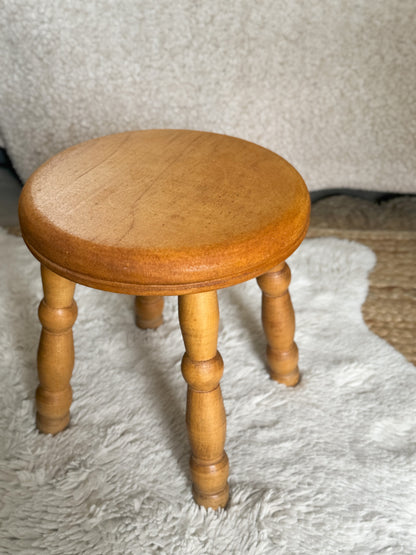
(166, 212)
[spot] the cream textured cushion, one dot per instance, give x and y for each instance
(328, 84)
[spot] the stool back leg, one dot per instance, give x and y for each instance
(149, 312)
(202, 368)
(57, 313)
(278, 320)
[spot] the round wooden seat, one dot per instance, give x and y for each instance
(163, 212)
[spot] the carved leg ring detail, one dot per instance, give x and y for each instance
(202, 368)
(278, 320)
(57, 313)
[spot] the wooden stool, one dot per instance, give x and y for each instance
(166, 212)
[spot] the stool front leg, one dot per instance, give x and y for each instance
(278, 320)
(202, 368)
(57, 313)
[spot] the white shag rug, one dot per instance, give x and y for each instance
(326, 467)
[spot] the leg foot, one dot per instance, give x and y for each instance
(278, 320)
(202, 368)
(149, 312)
(57, 313)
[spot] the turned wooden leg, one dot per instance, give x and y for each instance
(278, 320)
(57, 313)
(202, 368)
(149, 312)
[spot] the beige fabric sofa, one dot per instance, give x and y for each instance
(328, 84)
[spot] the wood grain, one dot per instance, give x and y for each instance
(202, 368)
(57, 313)
(166, 212)
(184, 211)
(149, 312)
(278, 320)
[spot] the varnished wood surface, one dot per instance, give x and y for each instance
(154, 213)
(57, 313)
(278, 320)
(202, 368)
(149, 312)
(163, 212)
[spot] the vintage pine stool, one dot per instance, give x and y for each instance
(166, 212)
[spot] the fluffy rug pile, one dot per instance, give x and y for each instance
(326, 467)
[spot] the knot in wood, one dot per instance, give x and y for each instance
(202, 375)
